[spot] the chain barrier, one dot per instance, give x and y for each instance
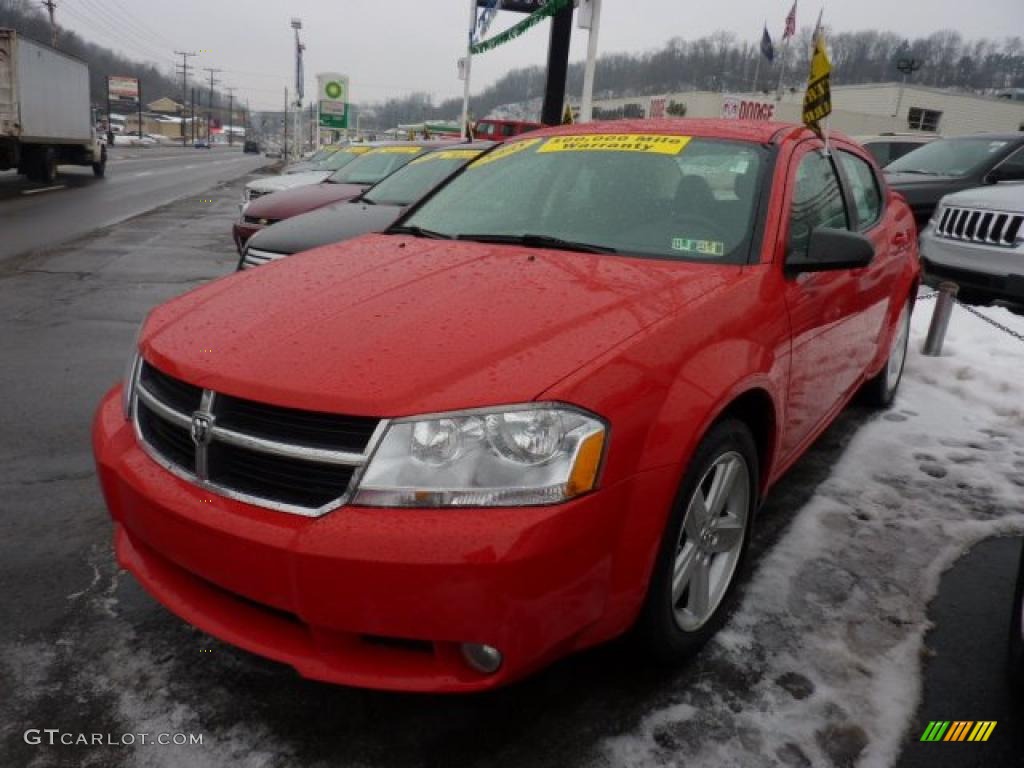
(977, 313)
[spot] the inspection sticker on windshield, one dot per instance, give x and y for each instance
(505, 151)
(708, 247)
(396, 151)
(617, 142)
(448, 154)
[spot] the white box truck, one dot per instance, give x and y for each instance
(46, 118)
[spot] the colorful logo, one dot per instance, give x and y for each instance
(958, 730)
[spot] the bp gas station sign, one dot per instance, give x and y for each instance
(333, 100)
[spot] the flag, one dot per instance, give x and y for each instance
(818, 98)
(483, 23)
(567, 116)
(790, 29)
(767, 50)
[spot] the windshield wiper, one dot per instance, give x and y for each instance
(419, 232)
(539, 241)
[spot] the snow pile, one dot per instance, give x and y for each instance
(828, 637)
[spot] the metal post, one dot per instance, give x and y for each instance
(940, 319)
(558, 66)
(110, 124)
(587, 102)
(284, 152)
(140, 107)
(468, 70)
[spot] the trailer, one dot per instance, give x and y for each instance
(46, 117)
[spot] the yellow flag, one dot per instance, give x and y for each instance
(818, 98)
(567, 116)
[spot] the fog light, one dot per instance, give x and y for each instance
(482, 658)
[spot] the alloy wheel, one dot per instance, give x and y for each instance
(710, 541)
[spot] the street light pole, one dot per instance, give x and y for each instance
(299, 89)
(587, 102)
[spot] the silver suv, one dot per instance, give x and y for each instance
(976, 239)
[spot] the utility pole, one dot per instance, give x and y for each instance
(284, 154)
(184, 86)
(231, 116)
(209, 114)
(193, 115)
(593, 7)
(51, 7)
(299, 88)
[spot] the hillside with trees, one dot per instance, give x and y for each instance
(27, 19)
(720, 61)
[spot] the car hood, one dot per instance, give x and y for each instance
(389, 325)
(288, 181)
(291, 202)
(1005, 196)
(330, 224)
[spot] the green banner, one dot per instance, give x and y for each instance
(535, 18)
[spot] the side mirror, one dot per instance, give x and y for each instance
(1004, 174)
(831, 249)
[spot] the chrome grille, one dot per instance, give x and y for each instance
(979, 226)
(254, 257)
(302, 462)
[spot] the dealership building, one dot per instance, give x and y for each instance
(856, 109)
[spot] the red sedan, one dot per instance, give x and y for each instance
(540, 411)
(344, 184)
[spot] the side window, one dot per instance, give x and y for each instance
(1014, 164)
(817, 202)
(863, 187)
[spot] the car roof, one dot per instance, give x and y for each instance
(481, 145)
(895, 137)
(1003, 136)
(757, 131)
(425, 143)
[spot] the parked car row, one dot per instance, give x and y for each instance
(538, 410)
(967, 194)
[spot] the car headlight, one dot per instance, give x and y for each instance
(503, 457)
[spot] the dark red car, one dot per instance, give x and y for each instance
(344, 184)
(539, 411)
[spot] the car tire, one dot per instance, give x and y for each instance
(880, 391)
(676, 620)
(99, 170)
(1015, 653)
(47, 165)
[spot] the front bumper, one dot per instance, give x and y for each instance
(378, 598)
(995, 271)
(241, 232)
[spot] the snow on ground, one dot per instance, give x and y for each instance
(830, 631)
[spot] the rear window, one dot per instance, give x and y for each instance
(657, 195)
(950, 157)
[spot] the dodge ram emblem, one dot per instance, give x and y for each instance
(202, 425)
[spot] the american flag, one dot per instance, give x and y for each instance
(790, 29)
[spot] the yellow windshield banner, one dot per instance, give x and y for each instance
(505, 151)
(356, 150)
(396, 151)
(448, 154)
(617, 142)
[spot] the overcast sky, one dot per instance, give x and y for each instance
(392, 47)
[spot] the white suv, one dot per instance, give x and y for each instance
(976, 239)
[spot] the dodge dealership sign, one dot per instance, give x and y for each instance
(735, 108)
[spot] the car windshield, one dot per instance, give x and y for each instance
(341, 158)
(650, 195)
(412, 182)
(322, 155)
(375, 165)
(949, 157)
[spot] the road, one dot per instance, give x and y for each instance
(34, 216)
